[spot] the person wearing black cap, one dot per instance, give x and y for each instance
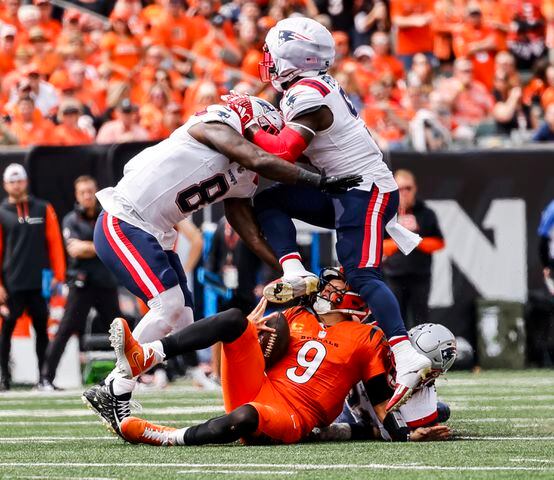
(30, 243)
(91, 284)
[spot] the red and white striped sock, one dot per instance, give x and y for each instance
(292, 265)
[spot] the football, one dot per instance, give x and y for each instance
(275, 345)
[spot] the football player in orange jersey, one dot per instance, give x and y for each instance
(329, 352)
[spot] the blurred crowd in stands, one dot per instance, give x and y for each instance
(424, 74)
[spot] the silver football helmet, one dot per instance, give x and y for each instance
(296, 47)
(266, 115)
(437, 343)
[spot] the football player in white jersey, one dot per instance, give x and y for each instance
(420, 416)
(204, 161)
(322, 124)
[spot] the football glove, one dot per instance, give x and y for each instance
(338, 183)
(242, 106)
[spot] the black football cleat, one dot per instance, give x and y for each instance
(112, 409)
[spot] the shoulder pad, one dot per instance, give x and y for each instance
(221, 114)
(307, 94)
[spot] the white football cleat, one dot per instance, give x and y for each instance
(284, 290)
(411, 373)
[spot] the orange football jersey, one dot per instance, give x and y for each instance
(323, 363)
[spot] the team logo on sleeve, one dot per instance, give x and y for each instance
(291, 98)
(288, 35)
(223, 115)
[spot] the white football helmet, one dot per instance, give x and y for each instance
(296, 47)
(437, 343)
(266, 115)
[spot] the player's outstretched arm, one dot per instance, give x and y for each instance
(236, 148)
(240, 215)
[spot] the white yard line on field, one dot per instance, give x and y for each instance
(83, 412)
(455, 406)
(62, 423)
(531, 439)
(314, 467)
(499, 419)
(240, 472)
(52, 439)
(500, 398)
(62, 478)
(531, 460)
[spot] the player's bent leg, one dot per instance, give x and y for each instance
(241, 422)
(242, 369)
(275, 208)
(135, 358)
(164, 317)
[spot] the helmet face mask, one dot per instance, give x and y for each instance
(334, 296)
(296, 47)
(266, 68)
(266, 115)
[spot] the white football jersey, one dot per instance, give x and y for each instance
(346, 147)
(419, 410)
(169, 181)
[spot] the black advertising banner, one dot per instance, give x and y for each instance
(488, 204)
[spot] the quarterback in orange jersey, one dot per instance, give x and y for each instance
(328, 353)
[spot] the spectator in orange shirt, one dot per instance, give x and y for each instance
(8, 15)
(249, 42)
(382, 60)
(219, 51)
(70, 27)
(43, 54)
(125, 128)
(343, 60)
(477, 42)
(535, 88)
(23, 57)
(121, 49)
(7, 48)
(366, 73)
(497, 14)
(385, 117)
(29, 126)
(172, 120)
(29, 17)
(412, 19)
(200, 96)
(154, 58)
(175, 26)
(469, 99)
(152, 112)
(447, 21)
(51, 27)
(68, 131)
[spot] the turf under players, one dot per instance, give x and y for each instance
(204, 161)
(322, 124)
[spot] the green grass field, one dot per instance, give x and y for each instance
(504, 424)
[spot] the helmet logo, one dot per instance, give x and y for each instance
(288, 35)
(448, 355)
